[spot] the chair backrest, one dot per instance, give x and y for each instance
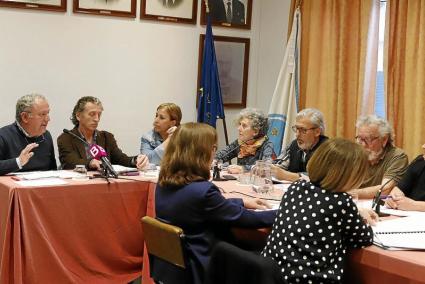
(164, 241)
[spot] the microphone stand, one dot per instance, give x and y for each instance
(377, 202)
(217, 173)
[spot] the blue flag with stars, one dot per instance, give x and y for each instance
(210, 102)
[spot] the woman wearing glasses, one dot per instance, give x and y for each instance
(309, 131)
(252, 143)
(186, 198)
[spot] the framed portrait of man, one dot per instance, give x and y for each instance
(49, 5)
(115, 8)
(175, 11)
(228, 13)
(232, 54)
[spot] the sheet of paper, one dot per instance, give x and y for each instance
(41, 182)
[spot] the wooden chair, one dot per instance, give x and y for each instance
(167, 256)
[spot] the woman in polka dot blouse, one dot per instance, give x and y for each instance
(318, 221)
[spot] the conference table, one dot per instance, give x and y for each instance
(90, 232)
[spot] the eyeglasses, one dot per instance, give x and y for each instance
(43, 115)
(302, 130)
(366, 141)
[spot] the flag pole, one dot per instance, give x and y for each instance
(226, 138)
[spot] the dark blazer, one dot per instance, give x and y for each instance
(218, 11)
(205, 217)
(72, 151)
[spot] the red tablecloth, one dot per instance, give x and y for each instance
(81, 232)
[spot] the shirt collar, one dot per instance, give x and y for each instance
(22, 129)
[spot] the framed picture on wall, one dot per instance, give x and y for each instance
(228, 13)
(49, 5)
(116, 8)
(233, 61)
(175, 11)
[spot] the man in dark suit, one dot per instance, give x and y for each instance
(228, 11)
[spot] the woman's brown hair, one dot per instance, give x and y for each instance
(173, 111)
(188, 155)
(338, 165)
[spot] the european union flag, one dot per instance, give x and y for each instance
(210, 102)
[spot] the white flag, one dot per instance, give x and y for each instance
(284, 104)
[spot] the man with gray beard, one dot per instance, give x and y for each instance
(386, 161)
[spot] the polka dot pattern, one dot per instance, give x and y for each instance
(311, 233)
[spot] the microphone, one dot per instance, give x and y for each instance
(285, 158)
(377, 202)
(97, 153)
(217, 168)
(75, 136)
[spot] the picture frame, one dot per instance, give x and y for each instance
(174, 11)
(47, 5)
(240, 16)
(114, 8)
(232, 54)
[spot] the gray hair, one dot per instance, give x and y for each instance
(25, 104)
(81, 104)
(384, 127)
(259, 121)
(315, 116)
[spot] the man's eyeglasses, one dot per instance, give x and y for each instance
(366, 141)
(302, 130)
(43, 115)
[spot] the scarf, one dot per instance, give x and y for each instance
(246, 150)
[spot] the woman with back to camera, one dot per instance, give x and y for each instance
(186, 198)
(252, 143)
(154, 142)
(318, 221)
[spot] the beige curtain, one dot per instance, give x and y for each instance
(339, 43)
(405, 73)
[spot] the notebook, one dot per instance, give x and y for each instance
(400, 233)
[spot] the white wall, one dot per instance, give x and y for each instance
(130, 64)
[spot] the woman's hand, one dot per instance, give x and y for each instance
(142, 162)
(171, 130)
(369, 216)
(234, 169)
(256, 203)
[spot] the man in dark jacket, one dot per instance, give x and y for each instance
(309, 129)
(26, 145)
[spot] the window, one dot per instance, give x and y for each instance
(380, 91)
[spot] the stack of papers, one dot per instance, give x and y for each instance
(48, 174)
(401, 233)
(121, 169)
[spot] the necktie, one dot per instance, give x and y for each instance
(229, 12)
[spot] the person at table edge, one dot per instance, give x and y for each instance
(26, 144)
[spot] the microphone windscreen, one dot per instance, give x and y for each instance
(97, 152)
